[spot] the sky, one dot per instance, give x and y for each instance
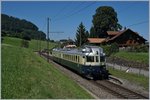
(65, 16)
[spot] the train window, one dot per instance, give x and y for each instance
(102, 58)
(90, 58)
(76, 58)
(97, 52)
(71, 57)
(97, 59)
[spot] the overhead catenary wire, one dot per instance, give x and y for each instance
(146, 21)
(71, 10)
(76, 11)
(67, 16)
(61, 10)
(126, 8)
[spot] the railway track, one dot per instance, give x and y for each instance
(118, 90)
(112, 88)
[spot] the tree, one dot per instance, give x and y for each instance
(87, 34)
(92, 33)
(16, 27)
(81, 35)
(105, 19)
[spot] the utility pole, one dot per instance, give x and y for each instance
(40, 42)
(48, 38)
(37, 43)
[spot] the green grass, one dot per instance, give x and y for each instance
(12, 41)
(132, 56)
(138, 79)
(33, 44)
(25, 75)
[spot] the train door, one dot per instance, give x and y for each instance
(82, 60)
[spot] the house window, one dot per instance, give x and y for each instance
(130, 41)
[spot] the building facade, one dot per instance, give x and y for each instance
(123, 38)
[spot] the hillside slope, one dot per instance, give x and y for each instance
(15, 27)
(25, 75)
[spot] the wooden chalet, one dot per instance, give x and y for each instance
(122, 38)
(96, 41)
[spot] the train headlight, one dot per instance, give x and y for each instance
(83, 50)
(104, 54)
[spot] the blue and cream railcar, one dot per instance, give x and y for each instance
(88, 61)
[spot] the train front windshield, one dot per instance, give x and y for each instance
(102, 58)
(92, 59)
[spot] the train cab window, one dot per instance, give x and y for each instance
(97, 52)
(102, 58)
(97, 60)
(90, 58)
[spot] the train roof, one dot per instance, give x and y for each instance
(69, 51)
(77, 51)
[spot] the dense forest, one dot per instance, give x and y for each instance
(20, 28)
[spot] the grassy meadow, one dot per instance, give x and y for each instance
(33, 44)
(136, 57)
(133, 56)
(25, 75)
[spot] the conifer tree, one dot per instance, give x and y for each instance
(81, 35)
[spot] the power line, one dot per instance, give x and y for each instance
(67, 16)
(146, 21)
(129, 6)
(82, 9)
(72, 10)
(61, 10)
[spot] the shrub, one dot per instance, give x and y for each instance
(139, 48)
(110, 49)
(25, 43)
(2, 39)
(3, 33)
(106, 49)
(114, 48)
(26, 37)
(143, 48)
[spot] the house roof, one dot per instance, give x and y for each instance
(113, 32)
(96, 40)
(121, 32)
